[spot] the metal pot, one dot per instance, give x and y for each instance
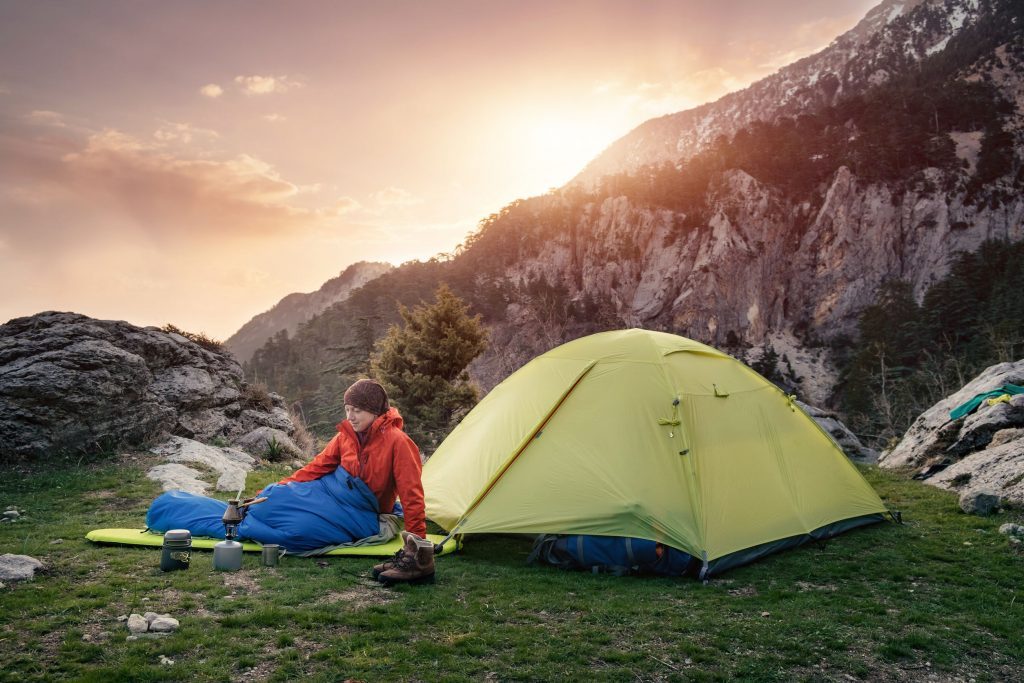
(177, 551)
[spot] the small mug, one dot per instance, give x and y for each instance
(271, 554)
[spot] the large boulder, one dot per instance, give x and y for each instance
(73, 384)
(847, 440)
(981, 452)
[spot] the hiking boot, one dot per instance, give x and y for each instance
(414, 565)
(389, 563)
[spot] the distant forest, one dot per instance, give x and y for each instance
(908, 356)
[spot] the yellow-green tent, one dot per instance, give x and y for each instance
(648, 435)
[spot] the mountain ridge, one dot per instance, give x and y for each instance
(296, 308)
(864, 56)
(779, 234)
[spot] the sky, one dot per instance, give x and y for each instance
(193, 162)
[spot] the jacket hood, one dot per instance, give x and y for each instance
(386, 421)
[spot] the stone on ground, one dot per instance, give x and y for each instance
(18, 567)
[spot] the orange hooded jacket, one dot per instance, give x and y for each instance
(389, 463)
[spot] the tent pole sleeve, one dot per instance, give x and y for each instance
(521, 447)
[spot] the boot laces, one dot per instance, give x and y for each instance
(405, 562)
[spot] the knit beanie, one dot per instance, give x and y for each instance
(367, 395)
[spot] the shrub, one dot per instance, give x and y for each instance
(423, 365)
(199, 338)
(256, 395)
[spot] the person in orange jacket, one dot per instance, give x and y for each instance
(371, 445)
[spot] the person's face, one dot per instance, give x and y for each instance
(359, 418)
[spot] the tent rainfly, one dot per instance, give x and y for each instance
(647, 435)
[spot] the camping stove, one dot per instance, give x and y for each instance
(227, 555)
(232, 518)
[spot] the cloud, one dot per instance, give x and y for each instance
(265, 85)
(395, 197)
(211, 90)
(345, 205)
(4, 90)
(114, 187)
(274, 118)
(43, 117)
(183, 133)
(605, 87)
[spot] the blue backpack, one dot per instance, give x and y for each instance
(615, 554)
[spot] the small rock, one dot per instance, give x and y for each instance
(1006, 436)
(1009, 529)
(18, 567)
(123, 617)
(137, 624)
(57, 541)
(166, 661)
(2, 585)
(766, 614)
(10, 508)
(979, 503)
(163, 623)
(12, 514)
(132, 637)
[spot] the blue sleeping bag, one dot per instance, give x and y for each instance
(299, 516)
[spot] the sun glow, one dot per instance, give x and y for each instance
(556, 146)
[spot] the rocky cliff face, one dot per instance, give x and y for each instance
(295, 309)
(892, 38)
(753, 261)
(70, 384)
(763, 268)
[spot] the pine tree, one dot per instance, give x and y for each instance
(422, 364)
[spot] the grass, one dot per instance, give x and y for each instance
(938, 596)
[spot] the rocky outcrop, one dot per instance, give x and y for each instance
(73, 384)
(295, 309)
(982, 452)
(762, 266)
(273, 444)
(842, 435)
(230, 465)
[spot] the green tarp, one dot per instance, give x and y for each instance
(972, 405)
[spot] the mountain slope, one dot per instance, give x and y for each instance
(780, 233)
(893, 37)
(295, 309)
